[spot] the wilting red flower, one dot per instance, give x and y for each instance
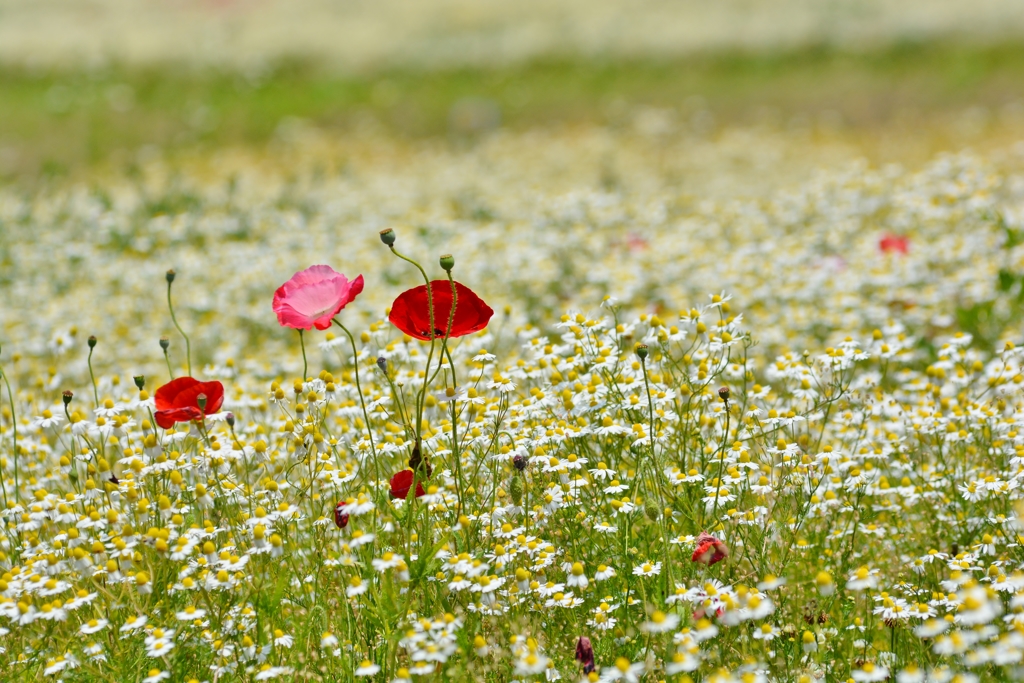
(585, 654)
(894, 243)
(411, 314)
(179, 399)
(340, 518)
(313, 296)
(709, 550)
(402, 482)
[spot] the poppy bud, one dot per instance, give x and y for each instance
(140, 381)
(170, 276)
(382, 363)
(515, 489)
(448, 262)
(723, 394)
(652, 510)
(91, 341)
(340, 518)
(519, 462)
(165, 343)
(67, 396)
(387, 236)
(585, 654)
(641, 351)
(201, 402)
(230, 419)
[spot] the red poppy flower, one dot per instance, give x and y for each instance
(340, 518)
(402, 482)
(411, 314)
(894, 243)
(178, 400)
(709, 550)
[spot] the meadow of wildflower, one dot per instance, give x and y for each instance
(531, 373)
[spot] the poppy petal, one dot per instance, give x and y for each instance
(410, 312)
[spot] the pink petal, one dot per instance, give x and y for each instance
(311, 276)
(313, 296)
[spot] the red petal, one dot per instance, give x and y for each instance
(402, 482)
(411, 314)
(168, 418)
(166, 394)
(340, 518)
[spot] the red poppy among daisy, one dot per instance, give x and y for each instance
(411, 313)
(186, 399)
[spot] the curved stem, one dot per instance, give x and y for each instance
(362, 401)
(421, 399)
(92, 378)
(174, 319)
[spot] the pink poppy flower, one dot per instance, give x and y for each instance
(313, 296)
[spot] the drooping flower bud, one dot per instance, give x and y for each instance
(340, 518)
(447, 262)
(641, 351)
(585, 654)
(140, 381)
(515, 489)
(230, 419)
(382, 363)
(388, 236)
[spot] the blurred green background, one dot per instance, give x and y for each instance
(103, 81)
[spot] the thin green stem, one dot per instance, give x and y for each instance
(167, 359)
(305, 365)
(421, 398)
(721, 463)
(92, 377)
(174, 319)
(362, 400)
(14, 426)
